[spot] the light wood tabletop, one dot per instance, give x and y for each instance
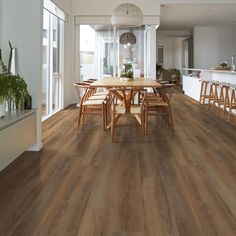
(120, 82)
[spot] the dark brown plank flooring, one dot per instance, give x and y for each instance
(181, 183)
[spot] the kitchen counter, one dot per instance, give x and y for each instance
(17, 134)
(192, 78)
(14, 116)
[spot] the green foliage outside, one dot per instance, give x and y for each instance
(127, 71)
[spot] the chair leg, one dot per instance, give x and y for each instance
(103, 117)
(80, 117)
(112, 127)
(210, 97)
(205, 92)
(171, 119)
(146, 119)
(142, 126)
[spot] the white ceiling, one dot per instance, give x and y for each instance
(185, 16)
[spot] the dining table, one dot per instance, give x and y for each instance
(117, 82)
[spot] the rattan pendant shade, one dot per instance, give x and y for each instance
(128, 37)
(127, 15)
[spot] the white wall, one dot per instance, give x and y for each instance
(1, 18)
(206, 43)
(172, 52)
(68, 61)
(213, 44)
(22, 24)
(177, 49)
(106, 7)
(65, 5)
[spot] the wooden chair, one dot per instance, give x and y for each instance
(166, 77)
(224, 102)
(91, 104)
(232, 105)
(213, 96)
(159, 105)
(122, 105)
(204, 92)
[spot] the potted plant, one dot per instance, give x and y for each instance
(127, 71)
(3, 88)
(3, 95)
(175, 75)
(13, 89)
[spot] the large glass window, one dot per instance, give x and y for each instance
(53, 47)
(96, 51)
(131, 49)
(103, 51)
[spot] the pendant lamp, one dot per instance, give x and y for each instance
(127, 15)
(128, 37)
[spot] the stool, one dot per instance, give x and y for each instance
(232, 104)
(203, 92)
(224, 97)
(213, 96)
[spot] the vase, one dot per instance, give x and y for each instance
(2, 109)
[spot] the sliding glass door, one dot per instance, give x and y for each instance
(53, 47)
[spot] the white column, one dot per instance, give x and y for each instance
(152, 41)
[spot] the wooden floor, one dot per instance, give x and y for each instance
(81, 184)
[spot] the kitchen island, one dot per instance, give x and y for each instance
(192, 79)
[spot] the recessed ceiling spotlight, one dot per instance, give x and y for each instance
(162, 5)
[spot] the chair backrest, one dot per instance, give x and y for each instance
(166, 75)
(125, 96)
(166, 91)
(84, 90)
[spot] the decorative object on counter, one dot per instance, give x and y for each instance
(221, 66)
(127, 15)
(233, 66)
(28, 103)
(12, 65)
(127, 71)
(13, 88)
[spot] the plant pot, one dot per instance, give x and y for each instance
(2, 109)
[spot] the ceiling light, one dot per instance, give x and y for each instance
(128, 38)
(127, 15)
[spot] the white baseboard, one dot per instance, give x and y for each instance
(36, 147)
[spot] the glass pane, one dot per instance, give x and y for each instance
(96, 51)
(87, 52)
(55, 63)
(131, 49)
(53, 38)
(56, 37)
(45, 79)
(104, 50)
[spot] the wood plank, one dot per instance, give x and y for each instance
(174, 183)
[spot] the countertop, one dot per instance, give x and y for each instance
(210, 70)
(14, 116)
